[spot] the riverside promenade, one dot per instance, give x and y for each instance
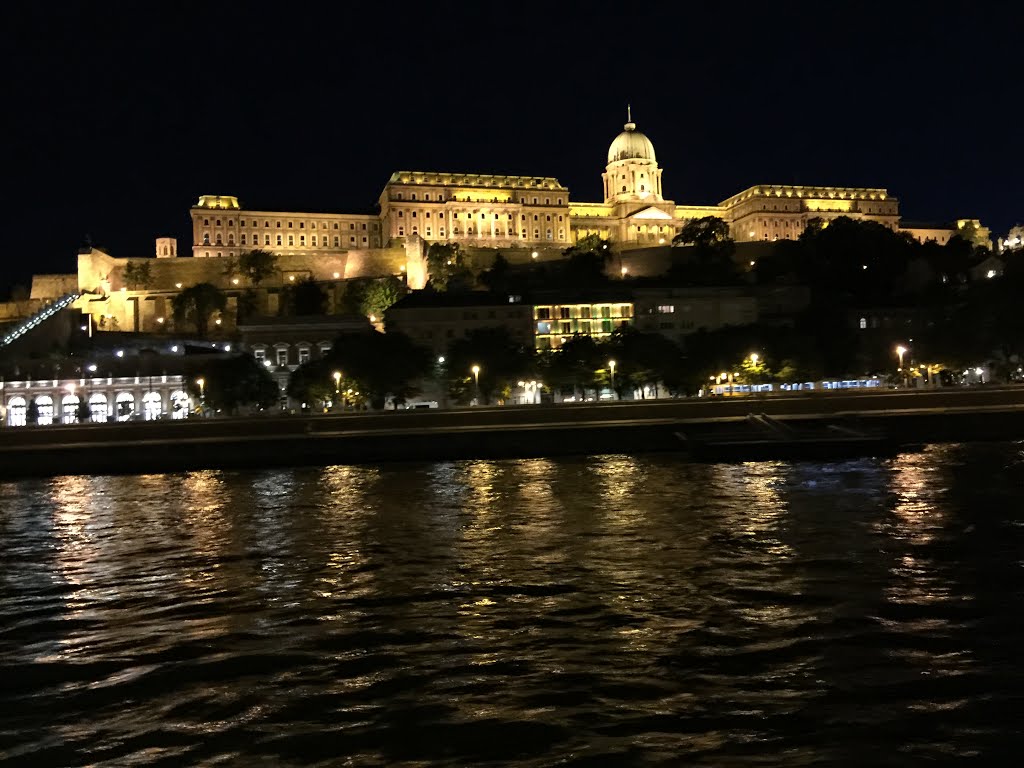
(907, 417)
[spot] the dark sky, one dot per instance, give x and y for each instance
(120, 117)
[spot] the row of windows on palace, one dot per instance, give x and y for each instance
(756, 207)
(441, 199)
(785, 229)
(497, 232)
(324, 241)
(291, 224)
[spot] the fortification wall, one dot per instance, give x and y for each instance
(46, 287)
(12, 311)
(99, 272)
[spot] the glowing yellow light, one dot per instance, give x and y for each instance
(337, 275)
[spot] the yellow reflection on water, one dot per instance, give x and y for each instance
(918, 518)
(75, 546)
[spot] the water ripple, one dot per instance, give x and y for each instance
(615, 610)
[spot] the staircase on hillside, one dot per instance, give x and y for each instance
(38, 318)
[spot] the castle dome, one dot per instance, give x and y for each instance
(631, 144)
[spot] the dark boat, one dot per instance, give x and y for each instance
(762, 438)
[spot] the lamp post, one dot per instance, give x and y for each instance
(337, 388)
(900, 352)
(201, 383)
(611, 367)
(442, 385)
(754, 357)
(476, 377)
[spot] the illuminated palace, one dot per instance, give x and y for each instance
(494, 211)
(527, 217)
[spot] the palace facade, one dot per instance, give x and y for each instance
(530, 212)
(529, 218)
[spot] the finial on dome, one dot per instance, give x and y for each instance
(630, 125)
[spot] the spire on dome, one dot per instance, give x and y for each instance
(630, 125)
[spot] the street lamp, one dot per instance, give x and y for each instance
(754, 357)
(611, 367)
(337, 385)
(476, 376)
(900, 352)
(201, 383)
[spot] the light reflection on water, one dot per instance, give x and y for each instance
(609, 610)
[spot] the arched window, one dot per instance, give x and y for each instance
(180, 405)
(16, 409)
(124, 406)
(69, 409)
(45, 405)
(98, 407)
(152, 406)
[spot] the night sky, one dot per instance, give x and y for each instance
(122, 117)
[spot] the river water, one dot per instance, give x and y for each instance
(617, 610)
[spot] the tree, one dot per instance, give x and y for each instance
(709, 232)
(247, 305)
(380, 294)
(305, 297)
(313, 382)
(32, 412)
(196, 305)
(585, 266)
(501, 359)
(450, 267)
(231, 382)
(375, 364)
(574, 365)
(497, 277)
(641, 359)
(137, 275)
(257, 265)
(83, 413)
(711, 260)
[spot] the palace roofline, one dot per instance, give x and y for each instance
(468, 179)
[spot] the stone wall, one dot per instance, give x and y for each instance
(13, 311)
(101, 273)
(47, 287)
